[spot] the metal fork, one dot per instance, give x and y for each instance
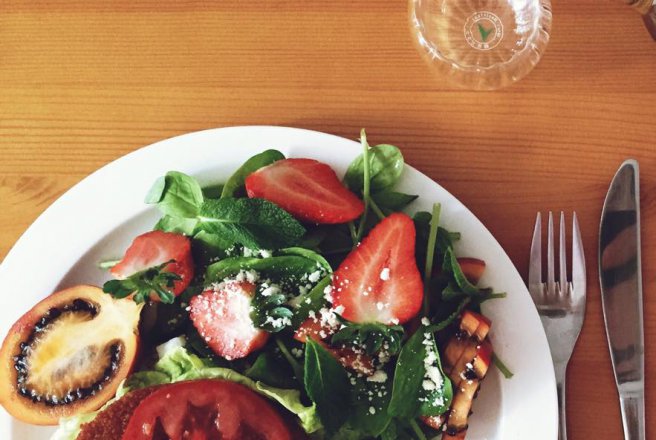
(561, 304)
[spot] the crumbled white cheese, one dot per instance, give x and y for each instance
(385, 274)
(379, 377)
(425, 321)
(315, 276)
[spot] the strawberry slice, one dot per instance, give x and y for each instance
(473, 268)
(221, 315)
(307, 189)
(379, 280)
(153, 249)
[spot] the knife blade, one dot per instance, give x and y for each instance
(620, 277)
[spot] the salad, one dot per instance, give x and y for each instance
(284, 303)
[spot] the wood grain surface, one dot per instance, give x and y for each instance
(84, 82)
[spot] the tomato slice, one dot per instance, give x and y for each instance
(205, 410)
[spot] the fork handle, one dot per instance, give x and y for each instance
(562, 412)
(633, 415)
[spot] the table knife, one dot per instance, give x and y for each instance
(620, 276)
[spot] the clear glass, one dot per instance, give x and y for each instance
(481, 44)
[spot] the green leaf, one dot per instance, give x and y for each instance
(279, 268)
(179, 195)
(312, 300)
(254, 223)
(213, 191)
(235, 183)
(410, 398)
(371, 336)
(310, 255)
(268, 310)
(370, 401)
(501, 366)
(178, 225)
(392, 201)
(452, 267)
(143, 284)
(271, 369)
(386, 165)
(327, 385)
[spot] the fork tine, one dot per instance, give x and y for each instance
(535, 263)
(550, 256)
(578, 260)
(562, 256)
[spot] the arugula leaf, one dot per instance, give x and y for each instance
(327, 385)
(268, 311)
(142, 284)
(386, 166)
(176, 194)
(371, 336)
(392, 201)
(254, 223)
(234, 186)
(419, 362)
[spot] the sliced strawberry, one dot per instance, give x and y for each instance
(379, 280)
(473, 268)
(222, 317)
(475, 324)
(153, 249)
(307, 189)
(316, 330)
(434, 422)
(312, 328)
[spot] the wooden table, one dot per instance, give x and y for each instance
(83, 83)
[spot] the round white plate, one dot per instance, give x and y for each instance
(99, 217)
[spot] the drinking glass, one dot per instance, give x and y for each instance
(481, 44)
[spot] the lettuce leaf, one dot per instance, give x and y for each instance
(177, 364)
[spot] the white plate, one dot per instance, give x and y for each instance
(99, 217)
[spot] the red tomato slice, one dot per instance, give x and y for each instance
(205, 410)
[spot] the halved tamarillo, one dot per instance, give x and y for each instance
(67, 354)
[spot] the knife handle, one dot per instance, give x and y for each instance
(633, 415)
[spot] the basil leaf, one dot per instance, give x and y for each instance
(392, 201)
(234, 186)
(386, 166)
(327, 385)
(410, 398)
(254, 223)
(176, 195)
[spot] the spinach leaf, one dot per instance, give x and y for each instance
(371, 336)
(272, 370)
(254, 223)
(310, 255)
(386, 165)
(176, 195)
(234, 186)
(268, 310)
(213, 191)
(278, 269)
(392, 201)
(420, 385)
(451, 266)
(142, 284)
(369, 407)
(178, 225)
(327, 385)
(312, 300)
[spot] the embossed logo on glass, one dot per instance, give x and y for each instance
(483, 30)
